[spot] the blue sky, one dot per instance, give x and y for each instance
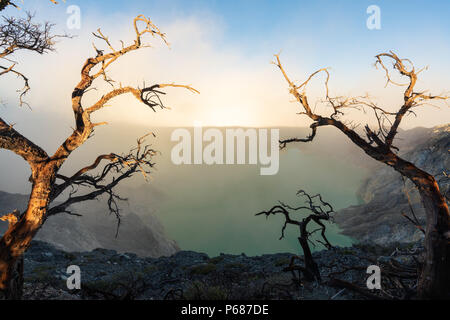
(224, 47)
(256, 22)
(324, 31)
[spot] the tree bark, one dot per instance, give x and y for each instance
(434, 282)
(435, 278)
(18, 237)
(311, 267)
(14, 288)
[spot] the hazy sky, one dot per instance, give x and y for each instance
(224, 49)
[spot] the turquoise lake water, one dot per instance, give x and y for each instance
(212, 209)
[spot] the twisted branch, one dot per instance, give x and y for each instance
(149, 96)
(377, 143)
(118, 168)
(24, 34)
(318, 211)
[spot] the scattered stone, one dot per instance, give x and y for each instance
(106, 274)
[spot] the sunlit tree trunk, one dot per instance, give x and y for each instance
(48, 184)
(18, 237)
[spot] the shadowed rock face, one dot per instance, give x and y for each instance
(97, 229)
(379, 220)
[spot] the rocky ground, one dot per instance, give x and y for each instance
(395, 248)
(106, 274)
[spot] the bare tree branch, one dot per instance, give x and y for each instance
(11, 217)
(378, 144)
(148, 95)
(17, 34)
(48, 183)
(119, 168)
(383, 137)
(12, 140)
(318, 210)
(5, 3)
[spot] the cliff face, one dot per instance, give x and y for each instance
(379, 219)
(140, 231)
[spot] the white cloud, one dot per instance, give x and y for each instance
(236, 88)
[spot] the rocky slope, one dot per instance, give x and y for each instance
(140, 231)
(379, 219)
(107, 274)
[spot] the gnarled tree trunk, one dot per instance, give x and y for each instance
(435, 279)
(317, 213)
(14, 287)
(434, 282)
(45, 168)
(17, 238)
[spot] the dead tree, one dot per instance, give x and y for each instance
(47, 181)
(5, 3)
(318, 211)
(379, 144)
(23, 34)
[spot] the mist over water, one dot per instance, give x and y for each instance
(212, 209)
